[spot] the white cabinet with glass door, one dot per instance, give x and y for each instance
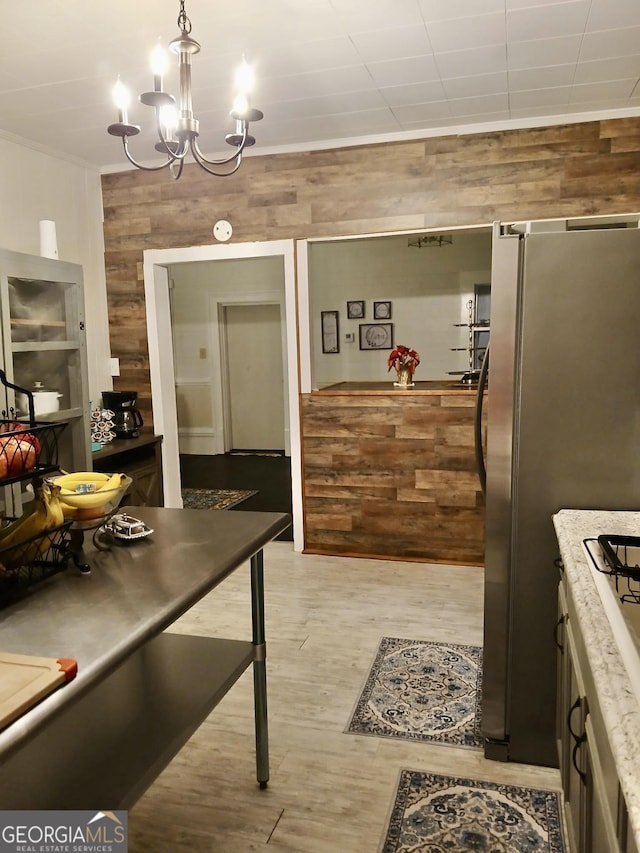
(44, 346)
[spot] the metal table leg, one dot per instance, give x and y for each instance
(259, 669)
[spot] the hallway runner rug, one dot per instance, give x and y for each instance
(215, 498)
(275, 453)
(433, 812)
(422, 691)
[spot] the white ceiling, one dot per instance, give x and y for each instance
(329, 71)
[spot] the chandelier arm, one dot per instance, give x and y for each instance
(237, 153)
(135, 163)
(178, 171)
(205, 164)
(173, 155)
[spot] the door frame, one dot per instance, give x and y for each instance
(161, 366)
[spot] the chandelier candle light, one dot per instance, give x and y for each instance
(404, 361)
(177, 128)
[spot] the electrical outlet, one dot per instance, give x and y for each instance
(114, 366)
(203, 352)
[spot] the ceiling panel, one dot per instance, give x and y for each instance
(541, 78)
(540, 53)
(392, 43)
(540, 98)
(542, 22)
(415, 93)
(609, 16)
(480, 104)
(610, 44)
(464, 33)
(608, 69)
(398, 72)
(480, 84)
(443, 10)
(475, 60)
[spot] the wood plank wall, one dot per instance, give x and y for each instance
(393, 476)
(549, 172)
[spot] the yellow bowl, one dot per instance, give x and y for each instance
(107, 499)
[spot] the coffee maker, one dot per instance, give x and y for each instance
(127, 419)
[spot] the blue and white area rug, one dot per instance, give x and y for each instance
(445, 813)
(422, 691)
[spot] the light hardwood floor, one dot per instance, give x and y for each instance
(329, 792)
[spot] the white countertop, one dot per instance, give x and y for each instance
(619, 705)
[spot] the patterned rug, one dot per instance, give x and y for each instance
(422, 691)
(438, 813)
(215, 498)
(277, 453)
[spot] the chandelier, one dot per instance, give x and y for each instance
(176, 126)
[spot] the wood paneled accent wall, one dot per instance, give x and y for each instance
(548, 172)
(392, 475)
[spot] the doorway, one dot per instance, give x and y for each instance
(156, 281)
(254, 392)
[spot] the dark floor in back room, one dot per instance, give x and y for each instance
(269, 474)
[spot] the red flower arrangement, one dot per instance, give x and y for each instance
(403, 357)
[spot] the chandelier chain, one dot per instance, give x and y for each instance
(183, 20)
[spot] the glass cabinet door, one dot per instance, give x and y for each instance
(44, 345)
(44, 330)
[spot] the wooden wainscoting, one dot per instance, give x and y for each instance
(392, 474)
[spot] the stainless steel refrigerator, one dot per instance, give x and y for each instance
(563, 431)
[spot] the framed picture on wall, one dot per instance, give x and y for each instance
(355, 310)
(330, 336)
(381, 310)
(376, 335)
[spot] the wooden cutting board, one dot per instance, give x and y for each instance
(25, 680)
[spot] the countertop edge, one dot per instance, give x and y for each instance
(619, 707)
(124, 445)
(384, 389)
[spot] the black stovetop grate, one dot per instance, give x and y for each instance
(620, 559)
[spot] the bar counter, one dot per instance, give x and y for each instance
(390, 472)
(375, 388)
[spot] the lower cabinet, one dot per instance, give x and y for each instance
(595, 810)
(141, 459)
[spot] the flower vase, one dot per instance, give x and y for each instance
(404, 378)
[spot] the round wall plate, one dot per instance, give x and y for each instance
(222, 230)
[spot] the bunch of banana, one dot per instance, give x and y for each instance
(23, 541)
(70, 482)
(88, 482)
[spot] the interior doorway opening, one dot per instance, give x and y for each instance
(161, 362)
(229, 338)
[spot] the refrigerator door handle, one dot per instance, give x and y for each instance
(482, 384)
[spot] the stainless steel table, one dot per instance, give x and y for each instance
(140, 692)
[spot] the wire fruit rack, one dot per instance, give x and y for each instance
(33, 560)
(29, 452)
